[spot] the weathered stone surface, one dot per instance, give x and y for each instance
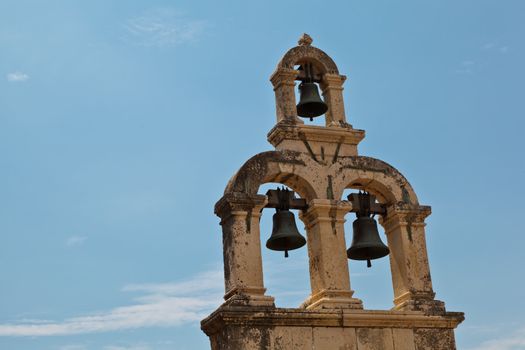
(334, 338)
(375, 339)
(275, 328)
(434, 339)
(403, 339)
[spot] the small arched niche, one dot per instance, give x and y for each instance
(295, 66)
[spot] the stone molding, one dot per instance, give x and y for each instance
(342, 134)
(252, 316)
(399, 214)
(238, 203)
(283, 77)
(325, 210)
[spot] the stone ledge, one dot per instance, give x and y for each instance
(345, 134)
(353, 318)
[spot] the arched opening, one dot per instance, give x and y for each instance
(286, 279)
(372, 285)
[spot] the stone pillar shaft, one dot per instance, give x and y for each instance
(329, 277)
(405, 230)
(284, 86)
(332, 86)
(243, 272)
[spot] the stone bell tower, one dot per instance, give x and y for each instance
(318, 163)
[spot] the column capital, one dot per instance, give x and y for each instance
(321, 210)
(283, 77)
(332, 81)
(403, 214)
(239, 202)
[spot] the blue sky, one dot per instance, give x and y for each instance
(121, 123)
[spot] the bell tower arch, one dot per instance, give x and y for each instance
(319, 163)
(325, 72)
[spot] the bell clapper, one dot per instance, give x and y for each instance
(286, 253)
(368, 263)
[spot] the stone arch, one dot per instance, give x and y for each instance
(271, 166)
(376, 176)
(326, 74)
(303, 52)
(403, 224)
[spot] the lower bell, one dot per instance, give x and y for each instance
(366, 243)
(285, 235)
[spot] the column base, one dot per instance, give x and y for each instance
(332, 299)
(248, 296)
(421, 301)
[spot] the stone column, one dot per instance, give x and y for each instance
(332, 86)
(405, 231)
(329, 278)
(243, 273)
(283, 81)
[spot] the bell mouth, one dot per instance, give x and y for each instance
(285, 243)
(366, 253)
(311, 110)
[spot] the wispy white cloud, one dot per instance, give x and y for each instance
(75, 241)
(160, 305)
(467, 67)
(503, 49)
(209, 280)
(163, 27)
(515, 341)
(17, 77)
(490, 46)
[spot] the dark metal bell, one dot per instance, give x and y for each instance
(285, 235)
(366, 243)
(310, 104)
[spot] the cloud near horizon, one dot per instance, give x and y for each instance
(514, 341)
(170, 305)
(160, 305)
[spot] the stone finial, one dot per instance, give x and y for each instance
(305, 40)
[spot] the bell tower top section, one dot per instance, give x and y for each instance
(308, 63)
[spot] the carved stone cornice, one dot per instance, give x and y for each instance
(284, 76)
(405, 214)
(238, 202)
(333, 81)
(343, 134)
(251, 317)
(325, 210)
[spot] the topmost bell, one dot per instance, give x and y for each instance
(310, 104)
